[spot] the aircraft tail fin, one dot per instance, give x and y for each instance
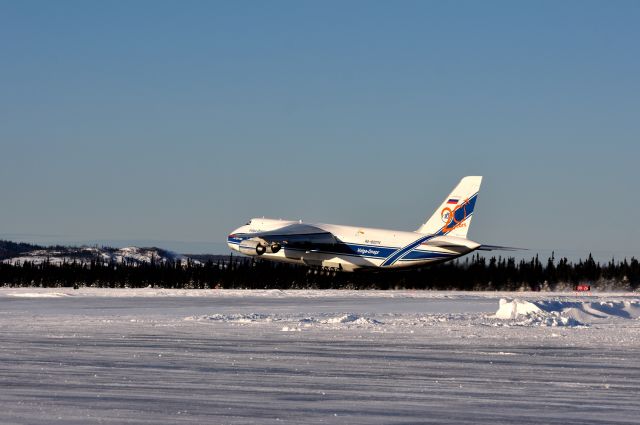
(453, 217)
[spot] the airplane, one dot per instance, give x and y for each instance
(443, 237)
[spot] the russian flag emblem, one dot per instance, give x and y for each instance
(452, 201)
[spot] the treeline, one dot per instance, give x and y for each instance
(471, 273)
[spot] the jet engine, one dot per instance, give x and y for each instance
(252, 247)
(258, 247)
(274, 247)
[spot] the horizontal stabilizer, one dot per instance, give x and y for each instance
(499, 248)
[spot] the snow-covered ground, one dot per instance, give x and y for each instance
(150, 356)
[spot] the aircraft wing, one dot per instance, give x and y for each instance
(297, 233)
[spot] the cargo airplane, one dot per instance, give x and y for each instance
(347, 248)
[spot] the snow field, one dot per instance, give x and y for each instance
(337, 357)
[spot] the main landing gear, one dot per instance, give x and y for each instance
(324, 271)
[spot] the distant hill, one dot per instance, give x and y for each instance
(10, 249)
(19, 252)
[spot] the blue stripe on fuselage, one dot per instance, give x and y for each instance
(392, 258)
(361, 250)
(425, 255)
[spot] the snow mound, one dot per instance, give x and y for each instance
(351, 319)
(552, 319)
(514, 309)
(288, 321)
(532, 314)
(290, 329)
(234, 318)
(627, 309)
(564, 312)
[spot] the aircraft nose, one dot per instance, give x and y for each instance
(233, 240)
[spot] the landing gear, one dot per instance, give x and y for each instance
(325, 271)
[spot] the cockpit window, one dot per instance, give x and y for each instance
(248, 223)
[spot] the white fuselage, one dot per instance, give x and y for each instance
(360, 247)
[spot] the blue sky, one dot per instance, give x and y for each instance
(174, 122)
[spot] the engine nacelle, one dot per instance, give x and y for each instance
(273, 248)
(252, 247)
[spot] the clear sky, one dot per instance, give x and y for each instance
(174, 122)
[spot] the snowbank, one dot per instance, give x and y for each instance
(293, 321)
(566, 313)
(515, 308)
(351, 318)
(235, 318)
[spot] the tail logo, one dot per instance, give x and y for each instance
(454, 219)
(445, 215)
